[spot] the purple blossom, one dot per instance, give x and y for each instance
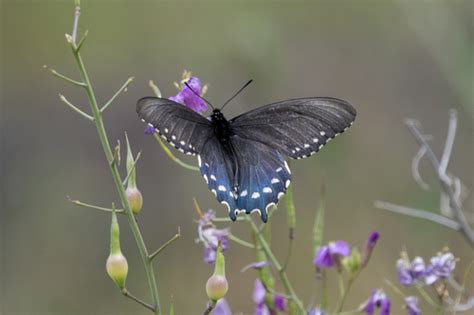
(369, 247)
(211, 236)
(149, 130)
(441, 266)
(261, 308)
(411, 304)
(222, 308)
(280, 302)
(329, 255)
(378, 299)
(316, 311)
(410, 272)
(188, 98)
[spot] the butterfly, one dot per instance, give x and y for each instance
(242, 159)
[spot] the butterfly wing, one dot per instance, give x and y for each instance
(296, 128)
(182, 127)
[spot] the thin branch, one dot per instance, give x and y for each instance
(86, 205)
(132, 168)
(415, 168)
(210, 306)
(74, 108)
(77, 14)
(155, 88)
(82, 40)
(448, 147)
(134, 298)
(227, 219)
(63, 77)
(172, 156)
(123, 88)
(445, 183)
(171, 240)
(240, 241)
(416, 213)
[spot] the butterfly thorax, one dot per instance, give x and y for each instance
(222, 128)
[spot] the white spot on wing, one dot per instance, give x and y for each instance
(269, 205)
(280, 194)
(322, 133)
(297, 149)
(226, 204)
(267, 190)
(287, 168)
(257, 210)
(287, 183)
(166, 130)
(320, 146)
(173, 137)
(244, 193)
(199, 160)
(306, 146)
(255, 195)
(182, 143)
(214, 192)
(205, 178)
(221, 188)
(275, 180)
(315, 140)
(213, 177)
(151, 125)
(279, 169)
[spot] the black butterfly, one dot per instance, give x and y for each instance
(242, 160)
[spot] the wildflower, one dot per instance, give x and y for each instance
(187, 97)
(378, 299)
(329, 255)
(222, 308)
(261, 308)
(316, 311)
(369, 247)
(211, 237)
(410, 272)
(441, 266)
(411, 304)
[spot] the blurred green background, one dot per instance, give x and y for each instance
(392, 60)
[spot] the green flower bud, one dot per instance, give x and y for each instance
(217, 285)
(135, 199)
(352, 263)
(117, 269)
(116, 265)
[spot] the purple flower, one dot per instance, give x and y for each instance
(329, 255)
(222, 308)
(149, 130)
(211, 236)
(280, 302)
(188, 98)
(411, 304)
(409, 273)
(378, 299)
(316, 311)
(261, 308)
(369, 247)
(256, 265)
(441, 266)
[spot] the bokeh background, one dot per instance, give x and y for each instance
(392, 60)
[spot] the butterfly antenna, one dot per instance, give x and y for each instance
(238, 92)
(197, 94)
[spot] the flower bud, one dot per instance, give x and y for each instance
(217, 285)
(352, 263)
(116, 265)
(135, 199)
(117, 269)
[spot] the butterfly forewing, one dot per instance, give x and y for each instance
(182, 127)
(296, 128)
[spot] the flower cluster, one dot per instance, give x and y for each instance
(377, 300)
(211, 237)
(441, 266)
(259, 297)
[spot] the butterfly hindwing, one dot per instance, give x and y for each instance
(182, 127)
(263, 176)
(297, 128)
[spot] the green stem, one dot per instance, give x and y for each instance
(426, 296)
(345, 292)
(283, 276)
(172, 156)
(118, 182)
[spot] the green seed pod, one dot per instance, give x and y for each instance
(352, 263)
(217, 285)
(135, 199)
(116, 265)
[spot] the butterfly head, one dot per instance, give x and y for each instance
(217, 115)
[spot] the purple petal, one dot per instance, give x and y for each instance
(385, 307)
(372, 240)
(404, 275)
(417, 267)
(369, 306)
(222, 308)
(279, 302)
(339, 248)
(323, 258)
(207, 217)
(149, 130)
(188, 98)
(262, 309)
(259, 292)
(411, 303)
(209, 255)
(256, 265)
(316, 311)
